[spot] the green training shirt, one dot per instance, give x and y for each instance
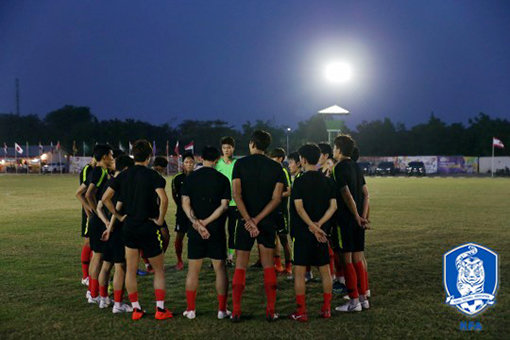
(226, 169)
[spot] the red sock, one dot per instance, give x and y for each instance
(103, 291)
(133, 297)
(238, 284)
(366, 277)
(351, 281)
(85, 260)
(301, 304)
(288, 266)
(117, 295)
(327, 302)
(190, 299)
(94, 287)
(277, 261)
(339, 268)
(160, 294)
(270, 286)
(360, 273)
(178, 249)
(222, 303)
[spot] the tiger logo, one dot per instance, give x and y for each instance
(471, 275)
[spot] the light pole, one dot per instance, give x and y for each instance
(288, 132)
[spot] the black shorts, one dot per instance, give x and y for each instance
(114, 250)
(182, 223)
(282, 222)
(145, 236)
(215, 247)
(334, 237)
(232, 217)
(96, 228)
(352, 236)
(84, 224)
(266, 237)
(310, 252)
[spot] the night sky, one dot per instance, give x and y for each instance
(165, 61)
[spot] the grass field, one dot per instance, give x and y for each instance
(415, 220)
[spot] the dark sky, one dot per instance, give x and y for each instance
(164, 61)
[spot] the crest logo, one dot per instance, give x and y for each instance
(470, 277)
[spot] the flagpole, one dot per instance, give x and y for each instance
(28, 159)
(15, 159)
(492, 166)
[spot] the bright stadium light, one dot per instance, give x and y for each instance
(338, 72)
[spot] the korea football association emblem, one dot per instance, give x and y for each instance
(470, 277)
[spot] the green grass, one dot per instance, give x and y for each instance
(415, 220)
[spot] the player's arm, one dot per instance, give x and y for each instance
(90, 195)
(238, 198)
(286, 193)
(351, 205)
(276, 199)
(175, 192)
(163, 206)
(366, 203)
(222, 208)
(329, 213)
(101, 215)
(196, 223)
(314, 228)
(107, 201)
(80, 195)
(111, 226)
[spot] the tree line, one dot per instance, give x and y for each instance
(77, 124)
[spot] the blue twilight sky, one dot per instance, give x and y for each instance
(165, 61)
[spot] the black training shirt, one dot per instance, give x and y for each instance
(346, 173)
(259, 175)
(315, 190)
(99, 177)
(206, 187)
(137, 192)
(177, 183)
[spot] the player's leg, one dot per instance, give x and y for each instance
(270, 281)
(179, 239)
(352, 285)
(231, 225)
(284, 241)
(132, 258)
(194, 267)
(94, 269)
(327, 289)
(86, 254)
(104, 277)
(361, 273)
(118, 289)
(277, 259)
(300, 290)
(239, 281)
(221, 287)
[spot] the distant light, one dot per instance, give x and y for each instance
(2, 161)
(44, 157)
(338, 72)
(288, 129)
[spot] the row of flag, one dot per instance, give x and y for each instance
(19, 149)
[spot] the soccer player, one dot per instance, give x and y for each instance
(86, 210)
(349, 184)
(114, 253)
(314, 197)
(326, 153)
(205, 197)
(257, 182)
(181, 221)
(282, 218)
(366, 212)
(160, 165)
(139, 189)
(103, 154)
(226, 165)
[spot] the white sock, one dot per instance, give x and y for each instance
(136, 305)
(341, 279)
(117, 304)
(160, 304)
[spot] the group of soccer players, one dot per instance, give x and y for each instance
(321, 201)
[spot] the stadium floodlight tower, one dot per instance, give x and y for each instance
(331, 117)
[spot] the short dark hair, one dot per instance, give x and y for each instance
(101, 150)
(210, 153)
(345, 143)
(325, 148)
(261, 139)
(228, 140)
(355, 153)
(117, 153)
(310, 152)
(277, 153)
(142, 150)
(294, 156)
(160, 161)
(188, 155)
(123, 161)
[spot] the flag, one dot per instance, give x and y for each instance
(153, 148)
(130, 147)
(40, 148)
(58, 146)
(121, 148)
(497, 143)
(75, 149)
(176, 149)
(18, 148)
(189, 147)
(51, 147)
(5, 150)
(85, 148)
(167, 149)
